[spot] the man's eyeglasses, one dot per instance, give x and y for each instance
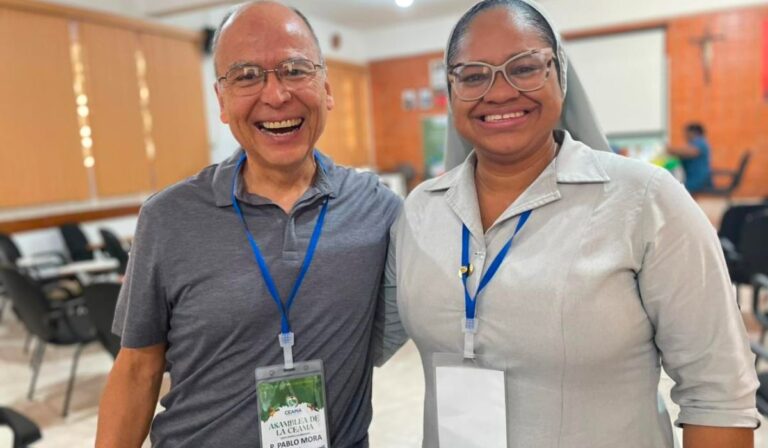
(525, 72)
(249, 79)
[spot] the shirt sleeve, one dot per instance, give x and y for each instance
(686, 291)
(388, 331)
(142, 313)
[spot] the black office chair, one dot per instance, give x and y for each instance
(101, 300)
(754, 261)
(56, 288)
(58, 323)
(25, 431)
(732, 179)
(10, 253)
(114, 248)
(76, 242)
(730, 230)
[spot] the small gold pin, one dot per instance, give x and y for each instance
(466, 271)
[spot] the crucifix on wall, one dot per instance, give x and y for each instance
(705, 43)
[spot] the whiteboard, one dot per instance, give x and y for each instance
(625, 76)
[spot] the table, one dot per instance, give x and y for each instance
(83, 270)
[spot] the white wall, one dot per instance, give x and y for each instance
(410, 38)
(570, 15)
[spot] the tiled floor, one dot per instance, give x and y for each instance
(397, 395)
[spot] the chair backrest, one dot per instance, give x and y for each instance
(114, 248)
(739, 173)
(29, 301)
(733, 221)
(101, 300)
(9, 253)
(25, 431)
(753, 246)
(76, 242)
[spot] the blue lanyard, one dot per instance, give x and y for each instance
(285, 327)
(470, 324)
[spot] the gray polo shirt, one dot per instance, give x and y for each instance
(192, 283)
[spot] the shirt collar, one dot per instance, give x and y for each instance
(324, 182)
(576, 163)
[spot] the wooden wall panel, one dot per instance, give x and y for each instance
(398, 133)
(731, 106)
(112, 87)
(347, 137)
(40, 156)
(176, 102)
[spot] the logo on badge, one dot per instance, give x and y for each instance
(292, 401)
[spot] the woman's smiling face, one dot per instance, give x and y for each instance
(505, 122)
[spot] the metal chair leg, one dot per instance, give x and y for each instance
(71, 384)
(28, 342)
(37, 361)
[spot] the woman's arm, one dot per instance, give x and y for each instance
(687, 294)
(713, 437)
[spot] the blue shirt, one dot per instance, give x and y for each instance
(698, 174)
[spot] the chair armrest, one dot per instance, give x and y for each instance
(729, 249)
(25, 431)
(759, 350)
(41, 260)
(759, 282)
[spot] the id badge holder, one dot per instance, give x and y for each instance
(471, 399)
(292, 406)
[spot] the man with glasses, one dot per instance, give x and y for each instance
(270, 260)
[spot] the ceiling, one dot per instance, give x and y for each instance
(360, 14)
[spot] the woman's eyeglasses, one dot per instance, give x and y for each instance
(525, 72)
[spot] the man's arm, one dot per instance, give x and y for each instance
(713, 437)
(684, 152)
(128, 403)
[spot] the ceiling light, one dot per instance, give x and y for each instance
(404, 3)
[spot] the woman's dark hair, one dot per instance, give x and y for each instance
(526, 12)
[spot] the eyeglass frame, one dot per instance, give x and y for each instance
(501, 68)
(317, 67)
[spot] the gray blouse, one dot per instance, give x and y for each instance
(616, 274)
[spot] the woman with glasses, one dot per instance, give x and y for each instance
(546, 284)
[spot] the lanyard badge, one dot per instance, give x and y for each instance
(285, 338)
(291, 399)
(470, 389)
(469, 323)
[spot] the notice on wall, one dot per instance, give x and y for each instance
(408, 99)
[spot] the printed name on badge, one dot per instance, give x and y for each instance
(292, 413)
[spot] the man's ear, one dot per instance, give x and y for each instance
(223, 116)
(328, 97)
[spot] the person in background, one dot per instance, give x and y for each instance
(695, 158)
(214, 254)
(555, 281)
